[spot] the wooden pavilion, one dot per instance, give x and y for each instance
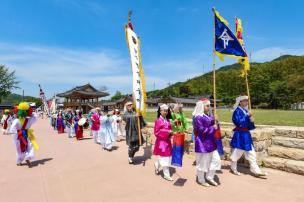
(82, 97)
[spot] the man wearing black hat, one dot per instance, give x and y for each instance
(132, 136)
(107, 136)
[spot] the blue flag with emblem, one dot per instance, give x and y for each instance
(225, 42)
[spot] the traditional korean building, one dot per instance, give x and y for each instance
(118, 104)
(83, 98)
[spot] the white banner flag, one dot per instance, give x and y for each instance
(139, 93)
(46, 106)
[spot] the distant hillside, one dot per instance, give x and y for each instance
(15, 99)
(274, 84)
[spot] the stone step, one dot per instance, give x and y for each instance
(284, 164)
(287, 153)
(288, 142)
(293, 133)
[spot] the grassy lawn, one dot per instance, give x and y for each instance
(263, 117)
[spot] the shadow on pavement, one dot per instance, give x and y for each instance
(180, 182)
(86, 138)
(41, 161)
(142, 159)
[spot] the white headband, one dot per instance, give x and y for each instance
(164, 107)
(238, 100)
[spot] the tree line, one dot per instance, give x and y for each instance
(276, 84)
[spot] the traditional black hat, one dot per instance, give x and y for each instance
(105, 109)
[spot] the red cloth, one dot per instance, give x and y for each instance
(178, 139)
(218, 134)
(5, 123)
(79, 132)
(22, 139)
(60, 129)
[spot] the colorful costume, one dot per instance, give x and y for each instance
(179, 125)
(60, 123)
(7, 121)
(78, 128)
(95, 118)
(241, 142)
(163, 146)
(207, 157)
(23, 137)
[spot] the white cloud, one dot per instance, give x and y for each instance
(58, 69)
(271, 53)
(50, 66)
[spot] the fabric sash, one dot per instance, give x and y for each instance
(22, 136)
(241, 129)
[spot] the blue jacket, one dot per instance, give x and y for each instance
(242, 138)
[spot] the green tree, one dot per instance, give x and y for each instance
(8, 82)
(117, 96)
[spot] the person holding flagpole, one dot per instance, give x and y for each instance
(241, 142)
(133, 130)
(207, 156)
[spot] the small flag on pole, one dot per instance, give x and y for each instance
(42, 96)
(239, 35)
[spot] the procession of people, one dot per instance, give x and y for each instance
(170, 128)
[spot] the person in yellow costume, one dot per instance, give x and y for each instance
(23, 136)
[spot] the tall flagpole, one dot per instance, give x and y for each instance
(248, 93)
(245, 71)
(137, 111)
(214, 60)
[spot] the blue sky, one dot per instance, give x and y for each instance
(64, 43)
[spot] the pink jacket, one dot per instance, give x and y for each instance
(95, 122)
(162, 129)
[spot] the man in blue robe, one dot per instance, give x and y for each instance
(241, 142)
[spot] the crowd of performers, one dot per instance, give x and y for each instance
(106, 128)
(169, 130)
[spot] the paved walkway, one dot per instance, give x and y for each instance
(69, 170)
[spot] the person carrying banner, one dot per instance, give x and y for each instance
(241, 142)
(207, 156)
(133, 132)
